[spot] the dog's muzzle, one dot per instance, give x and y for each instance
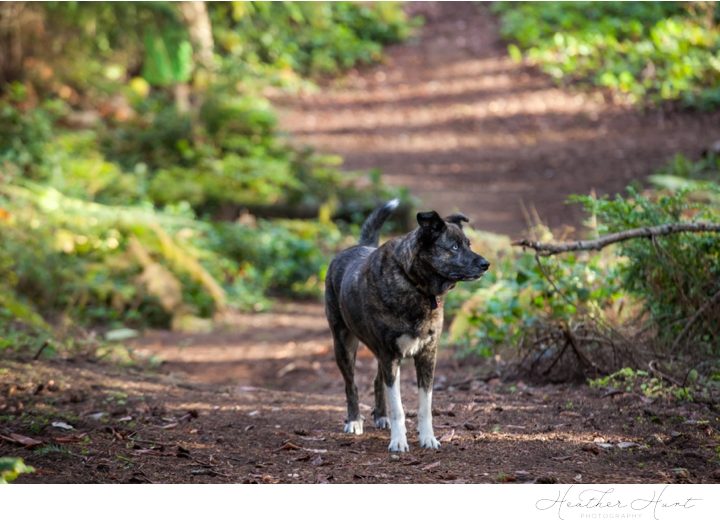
(480, 268)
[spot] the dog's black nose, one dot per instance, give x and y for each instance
(484, 264)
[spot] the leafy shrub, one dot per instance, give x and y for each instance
(306, 38)
(520, 293)
(113, 223)
(291, 257)
(674, 276)
(277, 42)
(102, 263)
(159, 136)
(664, 282)
(234, 157)
(640, 381)
(644, 51)
(148, 38)
(11, 468)
(24, 134)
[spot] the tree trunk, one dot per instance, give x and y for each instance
(199, 28)
(16, 23)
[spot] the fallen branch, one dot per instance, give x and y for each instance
(557, 358)
(662, 375)
(548, 249)
(582, 357)
(45, 344)
(612, 392)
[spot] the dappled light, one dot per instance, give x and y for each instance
(477, 107)
(176, 178)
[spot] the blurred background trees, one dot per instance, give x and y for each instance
(134, 134)
(144, 180)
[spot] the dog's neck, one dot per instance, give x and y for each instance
(405, 255)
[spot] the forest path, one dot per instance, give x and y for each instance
(262, 400)
(453, 118)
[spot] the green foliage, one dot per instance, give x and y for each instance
(24, 134)
(639, 381)
(168, 59)
(234, 156)
(111, 220)
(289, 256)
(158, 137)
(105, 34)
(226, 151)
(255, 42)
(518, 294)
(67, 236)
(704, 169)
(11, 468)
(139, 265)
(668, 278)
(644, 51)
(305, 38)
(673, 275)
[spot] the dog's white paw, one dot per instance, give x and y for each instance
(355, 427)
(383, 423)
(429, 441)
(400, 444)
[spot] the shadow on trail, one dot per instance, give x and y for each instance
(512, 138)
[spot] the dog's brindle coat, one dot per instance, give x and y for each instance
(391, 298)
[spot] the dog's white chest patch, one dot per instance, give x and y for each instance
(408, 345)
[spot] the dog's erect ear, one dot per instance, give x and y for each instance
(457, 218)
(431, 224)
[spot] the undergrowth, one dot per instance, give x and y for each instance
(628, 304)
(144, 181)
(645, 52)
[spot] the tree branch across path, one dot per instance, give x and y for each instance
(549, 249)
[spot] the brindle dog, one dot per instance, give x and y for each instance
(391, 298)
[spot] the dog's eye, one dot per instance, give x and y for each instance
(455, 247)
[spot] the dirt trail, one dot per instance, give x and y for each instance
(262, 400)
(452, 117)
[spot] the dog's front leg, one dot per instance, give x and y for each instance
(425, 370)
(398, 433)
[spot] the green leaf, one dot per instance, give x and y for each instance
(168, 56)
(11, 468)
(515, 53)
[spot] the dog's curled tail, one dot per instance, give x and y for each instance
(370, 233)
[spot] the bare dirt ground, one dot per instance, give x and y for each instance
(453, 118)
(262, 401)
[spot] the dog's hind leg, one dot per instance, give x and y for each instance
(346, 345)
(425, 369)
(380, 411)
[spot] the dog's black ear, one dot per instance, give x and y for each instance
(457, 218)
(431, 225)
